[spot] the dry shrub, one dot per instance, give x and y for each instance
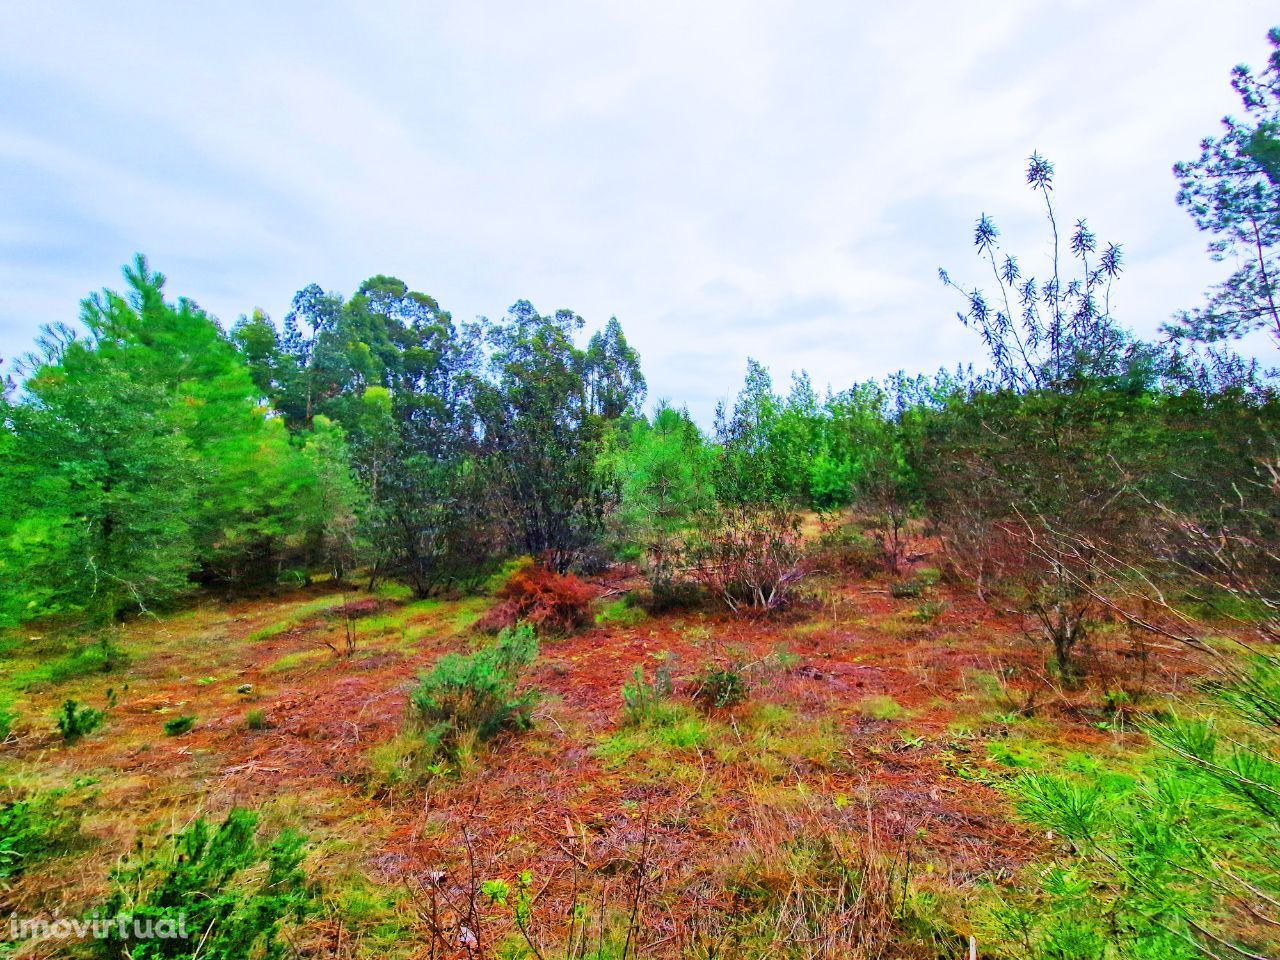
(751, 558)
(844, 547)
(804, 887)
(550, 602)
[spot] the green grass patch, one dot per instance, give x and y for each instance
(620, 613)
(675, 728)
(82, 660)
(300, 658)
(880, 707)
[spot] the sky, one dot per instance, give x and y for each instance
(729, 179)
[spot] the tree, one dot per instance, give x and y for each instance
(251, 477)
(615, 384)
(1063, 328)
(1030, 452)
(748, 472)
(335, 502)
(1233, 192)
(97, 495)
(664, 474)
(540, 438)
(146, 455)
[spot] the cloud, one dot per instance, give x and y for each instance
(778, 180)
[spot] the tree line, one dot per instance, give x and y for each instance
(149, 450)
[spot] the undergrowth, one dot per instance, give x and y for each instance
(230, 890)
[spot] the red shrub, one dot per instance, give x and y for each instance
(550, 602)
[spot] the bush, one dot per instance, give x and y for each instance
(673, 594)
(37, 826)
(255, 720)
(231, 891)
(476, 695)
(7, 716)
(643, 700)
(906, 589)
(720, 688)
(751, 558)
(621, 613)
(75, 721)
(1178, 860)
(552, 603)
(179, 725)
(848, 549)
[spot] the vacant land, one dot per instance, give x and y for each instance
(877, 728)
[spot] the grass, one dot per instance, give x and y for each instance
(676, 728)
(83, 659)
(777, 743)
(621, 613)
(310, 657)
(880, 707)
(727, 811)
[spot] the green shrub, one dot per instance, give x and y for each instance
(673, 594)
(907, 589)
(720, 688)
(75, 721)
(231, 890)
(179, 725)
(38, 826)
(476, 695)
(255, 720)
(622, 613)
(7, 716)
(849, 549)
(643, 700)
(928, 611)
(1160, 862)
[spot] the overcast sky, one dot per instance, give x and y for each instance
(777, 180)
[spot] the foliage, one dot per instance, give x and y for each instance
(232, 891)
(664, 476)
(334, 505)
(1063, 328)
(179, 725)
(720, 687)
(36, 826)
(845, 548)
(750, 557)
(541, 438)
(1233, 192)
(615, 385)
(1022, 474)
(642, 699)
(549, 602)
(154, 397)
(1186, 855)
(476, 695)
(75, 720)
